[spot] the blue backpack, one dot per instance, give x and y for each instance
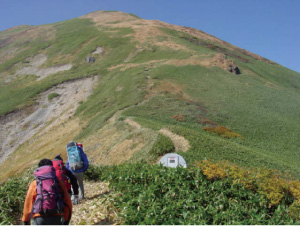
(74, 156)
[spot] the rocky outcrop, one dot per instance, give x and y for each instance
(226, 64)
(90, 59)
(99, 50)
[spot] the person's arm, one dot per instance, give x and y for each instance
(85, 162)
(67, 165)
(67, 203)
(29, 200)
(73, 180)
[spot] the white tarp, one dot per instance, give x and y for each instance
(173, 160)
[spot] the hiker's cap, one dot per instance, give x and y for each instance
(71, 143)
(79, 144)
(45, 162)
(58, 157)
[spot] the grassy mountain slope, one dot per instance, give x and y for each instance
(158, 76)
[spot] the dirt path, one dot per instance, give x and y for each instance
(94, 210)
(180, 143)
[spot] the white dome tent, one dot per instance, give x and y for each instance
(173, 160)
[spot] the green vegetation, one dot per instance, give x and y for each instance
(75, 39)
(12, 196)
(156, 195)
(162, 146)
(258, 105)
(158, 53)
(250, 119)
(245, 104)
(52, 95)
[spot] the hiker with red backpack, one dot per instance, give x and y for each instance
(47, 200)
(78, 163)
(67, 177)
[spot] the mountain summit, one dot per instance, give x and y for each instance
(132, 90)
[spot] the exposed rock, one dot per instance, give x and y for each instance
(236, 70)
(90, 59)
(99, 50)
(228, 65)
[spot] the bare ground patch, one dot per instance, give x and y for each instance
(34, 67)
(133, 123)
(41, 145)
(218, 60)
(18, 128)
(116, 142)
(180, 143)
(143, 29)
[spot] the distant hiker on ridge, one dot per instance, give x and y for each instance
(77, 163)
(47, 200)
(66, 176)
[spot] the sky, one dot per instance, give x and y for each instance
(269, 28)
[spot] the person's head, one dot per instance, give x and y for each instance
(71, 143)
(45, 162)
(79, 145)
(58, 157)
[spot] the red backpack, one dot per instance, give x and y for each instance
(61, 172)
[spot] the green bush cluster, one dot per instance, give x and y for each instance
(52, 95)
(162, 146)
(151, 195)
(12, 196)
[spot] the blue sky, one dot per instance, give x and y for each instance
(269, 28)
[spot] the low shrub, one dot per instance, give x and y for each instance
(162, 146)
(265, 182)
(178, 118)
(12, 196)
(149, 195)
(52, 95)
(222, 131)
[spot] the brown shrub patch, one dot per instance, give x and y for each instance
(178, 118)
(205, 121)
(222, 131)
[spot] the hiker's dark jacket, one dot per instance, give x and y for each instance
(73, 180)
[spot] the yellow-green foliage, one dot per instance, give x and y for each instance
(272, 186)
(212, 171)
(265, 182)
(243, 176)
(294, 189)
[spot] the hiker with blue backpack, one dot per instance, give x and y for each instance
(78, 163)
(47, 201)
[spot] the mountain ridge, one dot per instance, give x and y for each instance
(159, 76)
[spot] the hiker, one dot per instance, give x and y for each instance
(78, 163)
(67, 177)
(47, 200)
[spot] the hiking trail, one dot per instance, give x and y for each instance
(94, 210)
